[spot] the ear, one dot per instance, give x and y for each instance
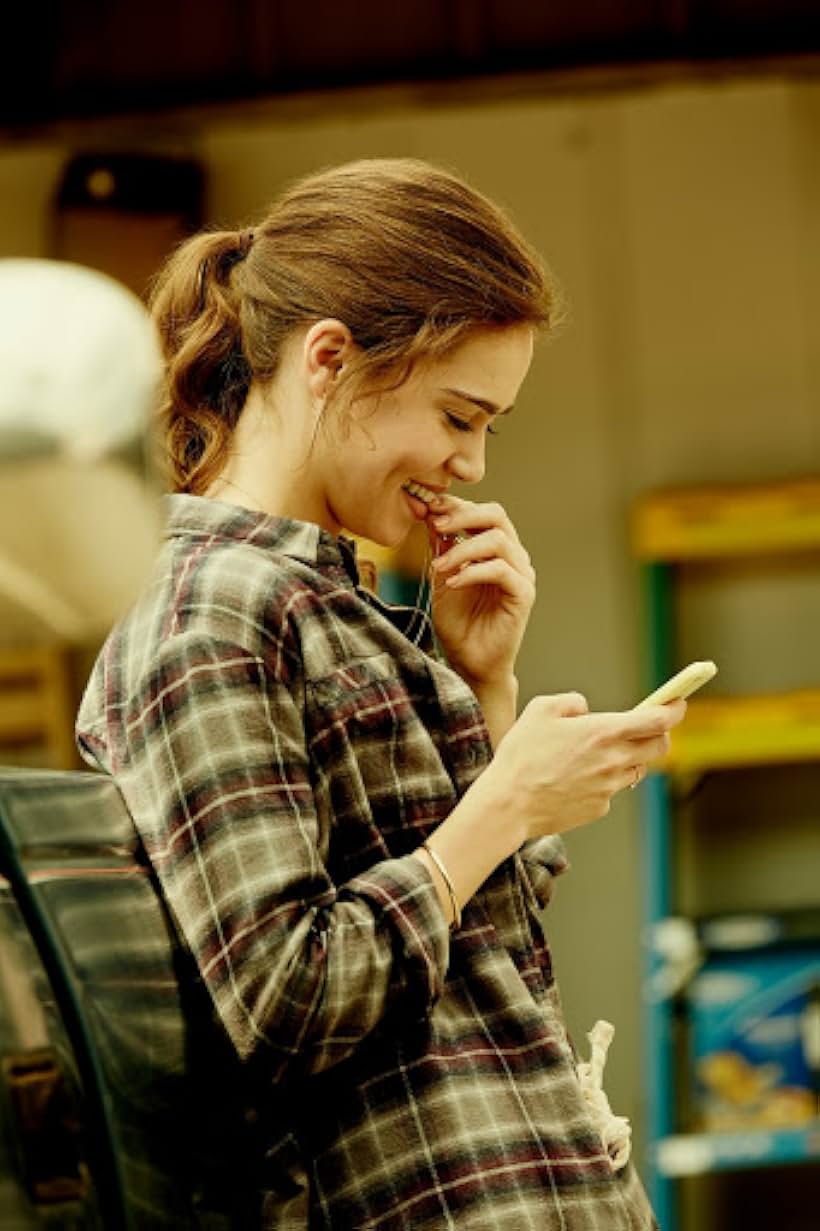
(327, 345)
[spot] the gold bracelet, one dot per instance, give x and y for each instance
(445, 876)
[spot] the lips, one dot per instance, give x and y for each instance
(417, 503)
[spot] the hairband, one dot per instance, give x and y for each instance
(244, 243)
(226, 262)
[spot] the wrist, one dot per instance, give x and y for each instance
(444, 883)
(499, 703)
(502, 683)
(483, 830)
(494, 811)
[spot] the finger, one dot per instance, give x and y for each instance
(670, 714)
(492, 573)
(623, 760)
(648, 750)
(634, 775)
(643, 723)
(485, 545)
(560, 705)
(450, 514)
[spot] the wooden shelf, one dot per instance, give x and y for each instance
(691, 523)
(768, 729)
(37, 703)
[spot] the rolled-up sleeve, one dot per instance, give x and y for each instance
(218, 779)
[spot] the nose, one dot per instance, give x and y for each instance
(467, 464)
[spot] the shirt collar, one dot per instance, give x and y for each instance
(199, 518)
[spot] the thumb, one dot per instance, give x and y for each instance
(565, 705)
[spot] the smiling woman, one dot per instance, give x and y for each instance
(352, 829)
(351, 461)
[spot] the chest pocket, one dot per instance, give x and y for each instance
(379, 779)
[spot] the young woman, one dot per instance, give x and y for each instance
(354, 832)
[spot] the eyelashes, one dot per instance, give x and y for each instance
(461, 425)
(465, 425)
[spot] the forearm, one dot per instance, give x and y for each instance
(498, 703)
(480, 833)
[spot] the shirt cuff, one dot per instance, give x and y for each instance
(544, 859)
(404, 895)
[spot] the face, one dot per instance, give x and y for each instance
(429, 433)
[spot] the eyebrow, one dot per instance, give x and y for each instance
(489, 408)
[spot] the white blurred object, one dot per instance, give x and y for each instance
(674, 940)
(80, 367)
(615, 1131)
(79, 360)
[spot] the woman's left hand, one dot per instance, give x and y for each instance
(483, 588)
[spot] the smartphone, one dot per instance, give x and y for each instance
(681, 685)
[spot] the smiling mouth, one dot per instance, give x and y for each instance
(420, 492)
(426, 496)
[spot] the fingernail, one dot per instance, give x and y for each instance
(441, 522)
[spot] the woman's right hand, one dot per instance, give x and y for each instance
(559, 766)
(556, 768)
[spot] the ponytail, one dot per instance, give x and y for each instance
(207, 374)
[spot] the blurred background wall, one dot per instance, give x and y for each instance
(681, 213)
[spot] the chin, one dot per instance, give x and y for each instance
(385, 539)
(387, 532)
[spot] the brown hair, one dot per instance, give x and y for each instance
(407, 255)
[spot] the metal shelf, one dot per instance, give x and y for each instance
(711, 522)
(768, 729)
(671, 528)
(698, 1153)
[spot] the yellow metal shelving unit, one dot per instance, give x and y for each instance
(700, 523)
(769, 729)
(709, 524)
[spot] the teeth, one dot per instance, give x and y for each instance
(421, 493)
(424, 493)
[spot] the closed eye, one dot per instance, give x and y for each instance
(461, 425)
(466, 425)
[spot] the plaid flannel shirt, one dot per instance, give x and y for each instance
(283, 746)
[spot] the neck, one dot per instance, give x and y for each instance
(269, 467)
